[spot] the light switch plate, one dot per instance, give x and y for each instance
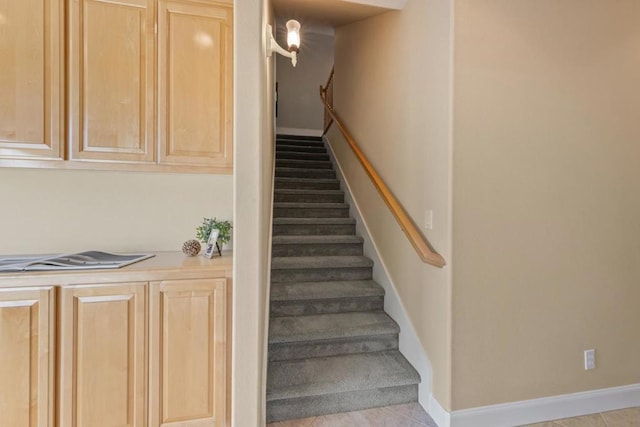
(428, 220)
(589, 359)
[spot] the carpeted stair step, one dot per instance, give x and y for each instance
(283, 136)
(313, 226)
(308, 196)
(305, 173)
(299, 142)
(305, 298)
(283, 246)
(310, 210)
(307, 184)
(330, 326)
(303, 164)
(283, 147)
(317, 386)
(294, 155)
(320, 268)
(322, 335)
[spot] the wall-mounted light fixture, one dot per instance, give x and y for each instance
(293, 40)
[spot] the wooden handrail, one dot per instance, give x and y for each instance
(328, 93)
(330, 79)
(417, 240)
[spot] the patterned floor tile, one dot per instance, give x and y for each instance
(413, 411)
(412, 415)
(622, 418)
(586, 421)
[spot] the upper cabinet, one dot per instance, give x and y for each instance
(31, 79)
(196, 83)
(111, 70)
(149, 84)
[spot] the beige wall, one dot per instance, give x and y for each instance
(48, 211)
(546, 198)
(298, 103)
(392, 90)
(267, 155)
(253, 171)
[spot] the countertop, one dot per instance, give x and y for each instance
(163, 266)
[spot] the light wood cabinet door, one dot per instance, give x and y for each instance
(195, 49)
(111, 87)
(27, 357)
(103, 355)
(31, 79)
(188, 353)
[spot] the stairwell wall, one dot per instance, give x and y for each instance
(298, 108)
(546, 200)
(392, 88)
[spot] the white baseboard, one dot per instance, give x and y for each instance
(547, 408)
(409, 343)
(440, 415)
(298, 132)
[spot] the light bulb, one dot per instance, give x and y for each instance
(293, 35)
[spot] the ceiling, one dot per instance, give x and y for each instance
(330, 13)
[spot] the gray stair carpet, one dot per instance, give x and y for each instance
(332, 348)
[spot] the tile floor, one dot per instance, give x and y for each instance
(622, 418)
(412, 415)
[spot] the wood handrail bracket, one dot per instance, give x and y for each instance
(408, 226)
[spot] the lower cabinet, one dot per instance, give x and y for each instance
(143, 354)
(27, 357)
(132, 354)
(103, 355)
(188, 348)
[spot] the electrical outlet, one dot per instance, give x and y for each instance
(589, 359)
(428, 220)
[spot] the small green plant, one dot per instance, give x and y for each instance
(208, 224)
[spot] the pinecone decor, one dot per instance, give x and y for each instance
(191, 247)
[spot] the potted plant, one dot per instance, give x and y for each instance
(208, 224)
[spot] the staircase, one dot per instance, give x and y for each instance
(332, 348)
